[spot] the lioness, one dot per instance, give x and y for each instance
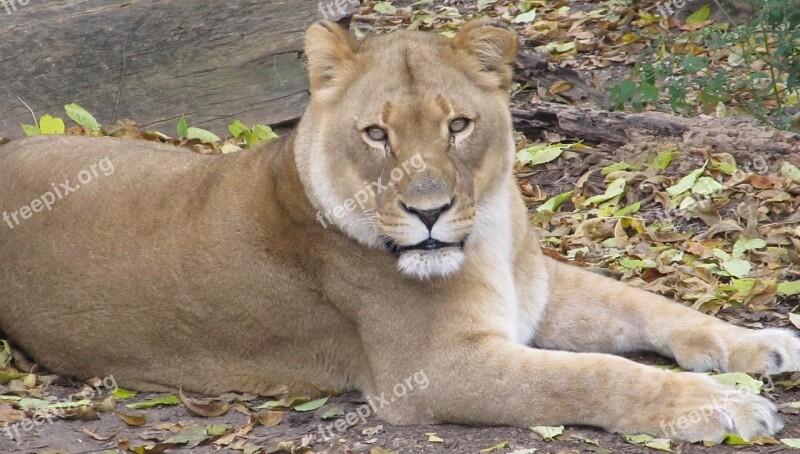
(260, 271)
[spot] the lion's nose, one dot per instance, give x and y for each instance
(428, 217)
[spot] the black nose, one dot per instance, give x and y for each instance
(428, 217)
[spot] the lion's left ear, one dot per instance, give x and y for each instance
(492, 46)
(330, 50)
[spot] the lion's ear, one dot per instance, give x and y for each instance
(330, 50)
(492, 46)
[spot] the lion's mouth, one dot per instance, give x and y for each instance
(430, 244)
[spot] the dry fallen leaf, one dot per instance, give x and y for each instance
(269, 418)
(132, 419)
(205, 407)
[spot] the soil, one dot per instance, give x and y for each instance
(71, 437)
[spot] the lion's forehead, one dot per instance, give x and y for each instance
(412, 69)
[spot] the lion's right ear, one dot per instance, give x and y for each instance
(330, 50)
(492, 46)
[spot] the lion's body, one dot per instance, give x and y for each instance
(218, 273)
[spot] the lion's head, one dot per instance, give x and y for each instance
(407, 139)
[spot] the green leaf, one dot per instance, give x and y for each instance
(541, 153)
(790, 171)
(741, 381)
(183, 127)
(217, 429)
(6, 377)
(638, 439)
(686, 182)
(313, 405)
(121, 393)
(617, 187)
(630, 209)
(659, 444)
(663, 160)
(554, 203)
(708, 96)
(5, 354)
(31, 130)
(80, 116)
(743, 285)
(564, 47)
(735, 440)
(201, 135)
(615, 167)
(631, 264)
(744, 244)
(722, 255)
(622, 92)
(706, 186)
(31, 403)
(168, 399)
(737, 268)
(647, 92)
(333, 413)
(548, 433)
(525, 18)
(498, 447)
(791, 442)
(191, 436)
(51, 125)
(238, 129)
(260, 134)
(80, 403)
(693, 63)
(789, 288)
(483, 4)
(385, 8)
(700, 15)
(728, 168)
(228, 148)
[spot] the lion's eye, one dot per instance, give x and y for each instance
(376, 133)
(459, 124)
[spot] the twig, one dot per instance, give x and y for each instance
(121, 78)
(29, 110)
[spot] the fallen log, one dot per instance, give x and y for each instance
(155, 61)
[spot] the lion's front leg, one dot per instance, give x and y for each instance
(483, 379)
(589, 312)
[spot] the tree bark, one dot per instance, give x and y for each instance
(153, 61)
(595, 125)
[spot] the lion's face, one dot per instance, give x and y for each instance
(410, 134)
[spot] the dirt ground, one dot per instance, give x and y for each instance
(109, 433)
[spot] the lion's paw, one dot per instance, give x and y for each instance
(704, 410)
(766, 351)
(734, 349)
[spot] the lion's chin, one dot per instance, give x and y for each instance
(426, 264)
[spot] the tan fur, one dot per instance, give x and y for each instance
(213, 273)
